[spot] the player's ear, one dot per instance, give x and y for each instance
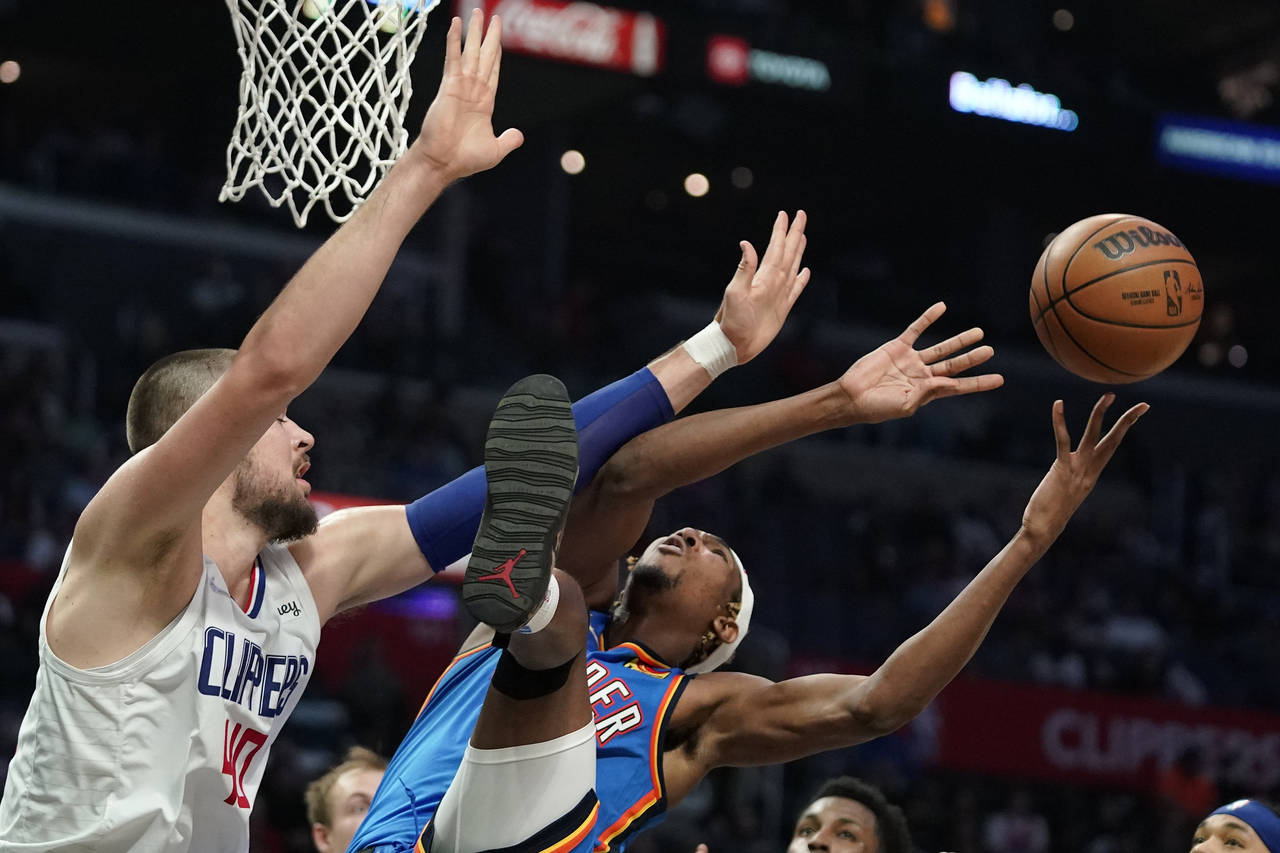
(320, 837)
(725, 627)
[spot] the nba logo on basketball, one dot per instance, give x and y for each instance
(1172, 293)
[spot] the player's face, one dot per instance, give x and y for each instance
(349, 799)
(835, 825)
(697, 562)
(269, 489)
(689, 576)
(1224, 833)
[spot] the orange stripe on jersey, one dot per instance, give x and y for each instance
(451, 665)
(420, 847)
(578, 834)
(628, 817)
(656, 793)
(657, 731)
(644, 656)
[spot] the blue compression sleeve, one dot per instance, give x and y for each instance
(444, 523)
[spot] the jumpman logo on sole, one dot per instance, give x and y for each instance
(504, 573)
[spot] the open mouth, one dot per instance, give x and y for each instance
(673, 544)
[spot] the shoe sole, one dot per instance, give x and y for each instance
(531, 464)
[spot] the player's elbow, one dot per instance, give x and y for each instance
(272, 372)
(623, 477)
(873, 714)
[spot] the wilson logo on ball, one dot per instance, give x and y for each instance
(1120, 244)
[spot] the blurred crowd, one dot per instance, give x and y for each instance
(1164, 587)
(1159, 591)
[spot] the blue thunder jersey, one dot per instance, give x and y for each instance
(633, 694)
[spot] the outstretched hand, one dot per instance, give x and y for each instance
(895, 379)
(760, 296)
(457, 135)
(1074, 473)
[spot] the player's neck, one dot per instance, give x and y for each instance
(233, 543)
(654, 633)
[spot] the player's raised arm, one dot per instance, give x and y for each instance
(344, 572)
(147, 518)
(892, 381)
(756, 303)
(746, 720)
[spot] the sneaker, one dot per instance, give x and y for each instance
(531, 463)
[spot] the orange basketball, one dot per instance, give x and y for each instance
(1116, 298)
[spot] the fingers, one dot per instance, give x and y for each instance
(1060, 434)
(1093, 428)
(1116, 434)
(496, 60)
(509, 141)
(953, 344)
(746, 268)
(773, 253)
(797, 286)
(796, 241)
(471, 47)
(924, 321)
(453, 48)
(946, 387)
(962, 362)
(491, 51)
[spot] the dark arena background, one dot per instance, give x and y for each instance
(1128, 686)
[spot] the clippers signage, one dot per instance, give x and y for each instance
(997, 98)
(1219, 147)
(1090, 737)
(734, 62)
(584, 33)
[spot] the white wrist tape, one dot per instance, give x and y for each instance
(541, 617)
(712, 349)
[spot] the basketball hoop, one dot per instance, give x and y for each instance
(322, 99)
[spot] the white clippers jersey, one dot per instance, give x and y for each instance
(164, 750)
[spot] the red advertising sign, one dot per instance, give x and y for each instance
(729, 60)
(732, 60)
(1091, 737)
(585, 33)
(327, 502)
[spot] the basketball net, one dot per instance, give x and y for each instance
(322, 99)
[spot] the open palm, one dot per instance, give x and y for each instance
(760, 295)
(896, 379)
(457, 134)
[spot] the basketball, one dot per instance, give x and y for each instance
(1116, 298)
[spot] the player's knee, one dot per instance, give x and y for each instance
(571, 610)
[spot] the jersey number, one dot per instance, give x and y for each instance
(238, 749)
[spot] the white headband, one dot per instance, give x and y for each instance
(725, 650)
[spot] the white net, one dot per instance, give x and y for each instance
(322, 99)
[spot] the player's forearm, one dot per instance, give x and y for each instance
(691, 449)
(321, 306)
(680, 376)
(918, 669)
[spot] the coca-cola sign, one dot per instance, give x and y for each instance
(585, 33)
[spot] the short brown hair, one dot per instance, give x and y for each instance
(167, 389)
(317, 795)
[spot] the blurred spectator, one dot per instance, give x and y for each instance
(338, 800)
(1018, 828)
